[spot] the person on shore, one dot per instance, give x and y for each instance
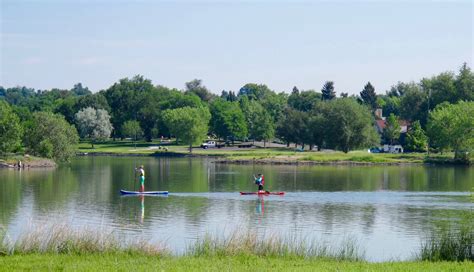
(141, 177)
(259, 181)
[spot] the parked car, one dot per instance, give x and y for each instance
(393, 149)
(208, 144)
(211, 144)
(375, 150)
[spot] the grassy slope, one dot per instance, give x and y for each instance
(284, 154)
(126, 262)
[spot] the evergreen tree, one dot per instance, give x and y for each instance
(369, 96)
(327, 91)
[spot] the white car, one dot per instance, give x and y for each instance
(209, 144)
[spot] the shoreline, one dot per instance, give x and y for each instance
(287, 160)
(313, 163)
(28, 162)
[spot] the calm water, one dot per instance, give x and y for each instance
(388, 209)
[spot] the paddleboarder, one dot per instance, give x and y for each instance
(141, 173)
(260, 181)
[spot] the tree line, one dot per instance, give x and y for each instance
(134, 107)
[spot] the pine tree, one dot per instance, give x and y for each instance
(328, 91)
(369, 96)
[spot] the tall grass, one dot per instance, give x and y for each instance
(62, 239)
(247, 243)
(449, 245)
(452, 241)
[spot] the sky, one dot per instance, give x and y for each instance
(48, 44)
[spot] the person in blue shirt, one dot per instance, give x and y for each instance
(260, 181)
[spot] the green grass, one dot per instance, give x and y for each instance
(134, 262)
(58, 247)
(265, 154)
(451, 240)
(247, 243)
(62, 239)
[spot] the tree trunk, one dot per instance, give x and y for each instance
(287, 144)
(190, 148)
(264, 144)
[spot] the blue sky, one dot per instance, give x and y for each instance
(46, 44)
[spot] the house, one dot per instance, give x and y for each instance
(381, 123)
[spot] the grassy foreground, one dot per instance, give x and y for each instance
(263, 155)
(53, 248)
(133, 262)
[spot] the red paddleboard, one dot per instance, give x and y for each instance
(262, 193)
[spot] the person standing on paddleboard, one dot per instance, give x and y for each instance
(141, 173)
(260, 181)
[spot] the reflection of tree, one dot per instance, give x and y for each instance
(450, 178)
(53, 188)
(10, 194)
(348, 178)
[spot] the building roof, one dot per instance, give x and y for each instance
(404, 124)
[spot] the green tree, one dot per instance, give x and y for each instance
(369, 96)
(451, 127)
(414, 104)
(293, 127)
(416, 140)
(93, 124)
(304, 100)
(254, 91)
(327, 91)
(195, 86)
(78, 89)
(264, 129)
(316, 126)
(126, 98)
(284, 127)
(51, 136)
(391, 131)
(348, 124)
(227, 119)
(391, 104)
(464, 83)
(190, 125)
(10, 129)
(131, 128)
(440, 88)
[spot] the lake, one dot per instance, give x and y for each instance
(389, 210)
